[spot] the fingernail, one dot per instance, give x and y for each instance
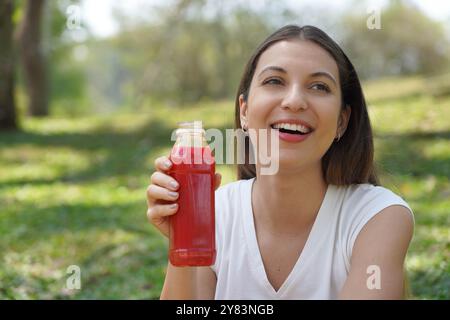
(167, 164)
(173, 184)
(173, 206)
(173, 194)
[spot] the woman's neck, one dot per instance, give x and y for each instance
(289, 201)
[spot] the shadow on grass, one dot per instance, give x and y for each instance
(387, 101)
(430, 284)
(403, 154)
(131, 269)
(38, 224)
(136, 269)
(125, 153)
(120, 255)
(24, 182)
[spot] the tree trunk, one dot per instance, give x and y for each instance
(7, 103)
(33, 58)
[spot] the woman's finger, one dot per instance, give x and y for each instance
(155, 193)
(157, 214)
(163, 163)
(164, 180)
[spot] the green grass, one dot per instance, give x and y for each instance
(72, 192)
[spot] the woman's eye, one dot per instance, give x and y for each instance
(321, 87)
(272, 81)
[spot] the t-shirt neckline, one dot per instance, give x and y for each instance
(252, 242)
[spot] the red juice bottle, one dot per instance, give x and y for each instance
(192, 228)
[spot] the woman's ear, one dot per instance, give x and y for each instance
(243, 112)
(344, 118)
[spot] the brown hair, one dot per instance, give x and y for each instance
(349, 160)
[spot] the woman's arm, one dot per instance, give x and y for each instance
(188, 283)
(378, 256)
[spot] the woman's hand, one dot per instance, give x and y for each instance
(162, 195)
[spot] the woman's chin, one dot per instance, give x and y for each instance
(289, 161)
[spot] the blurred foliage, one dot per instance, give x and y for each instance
(68, 87)
(197, 49)
(409, 42)
(69, 91)
(188, 51)
(169, 64)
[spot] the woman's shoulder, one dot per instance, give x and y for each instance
(358, 204)
(361, 202)
(369, 195)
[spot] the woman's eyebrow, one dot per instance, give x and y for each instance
(324, 74)
(315, 74)
(273, 68)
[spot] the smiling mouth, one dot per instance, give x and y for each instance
(292, 129)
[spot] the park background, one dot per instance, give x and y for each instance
(91, 90)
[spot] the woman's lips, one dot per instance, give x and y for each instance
(292, 137)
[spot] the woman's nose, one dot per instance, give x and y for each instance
(294, 99)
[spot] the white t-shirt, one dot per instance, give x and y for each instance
(324, 263)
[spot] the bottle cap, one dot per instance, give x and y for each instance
(192, 127)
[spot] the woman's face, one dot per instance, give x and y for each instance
(296, 82)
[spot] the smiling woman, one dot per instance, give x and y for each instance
(320, 225)
(332, 76)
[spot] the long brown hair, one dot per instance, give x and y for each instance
(349, 160)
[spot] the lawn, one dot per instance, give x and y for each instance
(72, 192)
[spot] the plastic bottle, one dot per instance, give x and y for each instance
(192, 228)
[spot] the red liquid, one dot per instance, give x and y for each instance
(192, 228)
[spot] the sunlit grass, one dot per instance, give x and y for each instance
(420, 114)
(393, 88)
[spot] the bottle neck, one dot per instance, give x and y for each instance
(191, 139)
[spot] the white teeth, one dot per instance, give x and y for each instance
(291, 126)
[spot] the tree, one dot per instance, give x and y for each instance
(33, 58)
(196, 49)
(7, 103)
(408, 42)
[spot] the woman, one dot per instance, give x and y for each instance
(321, 227)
